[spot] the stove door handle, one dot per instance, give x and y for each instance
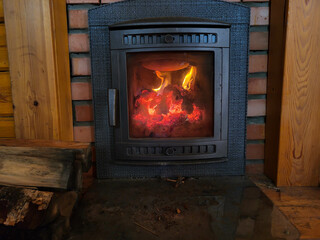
(113, 107)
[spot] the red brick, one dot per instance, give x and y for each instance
(257, 86)
(78, 18)
(258, 63)
(254, 168)
(79, 42)
(83, 133)
(255, 151)
(82, 1)
(259, 40)
(111, 1)
(81, 91)
(255, 131)
(81, 66)
(256, 107)
(259, 16)
(84, 113)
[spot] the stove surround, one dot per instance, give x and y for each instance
(107, 51)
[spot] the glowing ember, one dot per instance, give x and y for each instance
(163, 110)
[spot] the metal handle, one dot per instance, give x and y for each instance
(113, 106)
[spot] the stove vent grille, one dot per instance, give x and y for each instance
(185, 38)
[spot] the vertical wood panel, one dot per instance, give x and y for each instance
(299, 155)
(5, 95)
(36, 38)
(278, 13)
(61, 51)
(3, 41)
(6, 127)
(1, 11)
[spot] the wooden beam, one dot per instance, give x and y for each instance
(277, 37)
(37, 41)
(36, 167)
(293, 112)
(299, 155)
(83, 151)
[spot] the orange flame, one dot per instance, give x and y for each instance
(162, 79)
(188, 79)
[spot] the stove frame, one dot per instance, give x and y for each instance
(169, 34)
(112, 154)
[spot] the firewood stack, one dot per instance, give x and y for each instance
(40, 182)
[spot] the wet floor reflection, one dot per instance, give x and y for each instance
(211, 208)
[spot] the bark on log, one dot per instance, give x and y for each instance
(19, 204)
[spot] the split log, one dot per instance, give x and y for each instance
(83, 151)
(41, 163)
(21, 205)
(35, 167)
(33, 214)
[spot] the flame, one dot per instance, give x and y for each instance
(160, 114)
(188, 79)
(162, 79)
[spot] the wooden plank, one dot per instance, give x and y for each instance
(5, 95)
(35, 167)
(62, 63)
(3, 40)
(300, 205)
(4, 62)
(7, 127)
(299, 147)
(278, 12)
(38, 47)
(83, 151)
(1, 11)
(308, 227)
(44, 143)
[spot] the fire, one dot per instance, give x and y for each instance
(188, 79)
(162, 79)
(163, 110)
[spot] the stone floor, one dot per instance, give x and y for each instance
(207, 208)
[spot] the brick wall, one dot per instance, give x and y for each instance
(81, 83)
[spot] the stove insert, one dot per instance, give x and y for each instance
(169, 88)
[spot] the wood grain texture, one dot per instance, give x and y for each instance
(38, 47)
(300, 205)
(1, 11)
(5, 95)
(82, 151)
(3, 41)
(7, 127)
(299, 148)
(4, 62)
(35, 167)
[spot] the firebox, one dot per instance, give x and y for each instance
(169, 81)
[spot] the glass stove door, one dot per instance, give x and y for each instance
(170, 94)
